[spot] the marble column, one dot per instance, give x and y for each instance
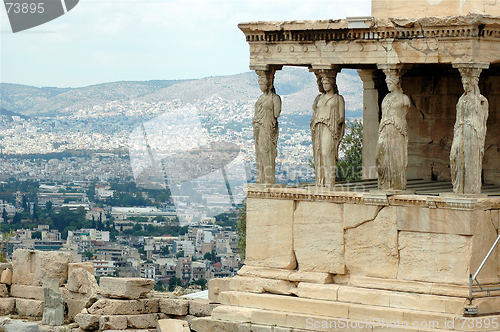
(370, 123)
(392, 145)
(467, 148)
(265, 127)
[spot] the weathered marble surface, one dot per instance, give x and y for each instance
(265, 128)
(392, 145)
(467, 148)
(327, 127)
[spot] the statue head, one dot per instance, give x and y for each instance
(470, 79)
(266, 80)
(393, 81)
(329, 84)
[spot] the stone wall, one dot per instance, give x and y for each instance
(335, 237)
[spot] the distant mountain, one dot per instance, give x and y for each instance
(49, 101)
(296, 86)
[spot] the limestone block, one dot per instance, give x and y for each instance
(124, 307)
(88, 322)
(19, 326)
(6, 277)
(7, 306)
(171, 325)
(27, 292)
(217, 286)
(174, 307)
(33, 308)
(53, 312)
(232, 314)
(371, 249)
(82, 281)
(206, 324)
(74, 308)
(360, 312)
(285, 303)
(270, 233)
(264, 272)
(318, 237)
(87, 266)
(364, 296)
(427, 302)
(440, 258)
(356, 214)
(318, 292)
(31, 267)
(112, 322)
(201, 308)
(314, 277)
(484, 237)
(260, 285)
(148, 321)
(428, 220)
(4, 292)
(125, 288)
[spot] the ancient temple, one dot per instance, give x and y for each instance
(325, 260)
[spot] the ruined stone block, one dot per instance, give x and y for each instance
(124, 307)
(125, 288)
(112, 323)
(168, 325)
(88, 322)
(32, 308)
(174, 307)
(30, 267)
(6, 277)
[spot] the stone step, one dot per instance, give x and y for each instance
(384, 298)
(257, 320)
(272, 309)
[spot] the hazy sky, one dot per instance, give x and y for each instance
(116, 40)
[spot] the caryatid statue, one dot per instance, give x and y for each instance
(467, 149)
(265, 128)
(391, 156)
(327, 127)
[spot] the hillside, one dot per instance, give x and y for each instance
(296, 86)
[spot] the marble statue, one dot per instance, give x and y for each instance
(467, 149)
(327, 129)
(392, 146)
(265, 128)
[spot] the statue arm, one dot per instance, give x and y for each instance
(277, 105)
(341, 117)
(406, 103)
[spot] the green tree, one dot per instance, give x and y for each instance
(48, 206)
(207, 256)
(349, 167)
(201, 282)
(180, 254)
(36, 235)
(241, 230)
(165, 251)
(159, 287)
(5, 216)
(174, 282)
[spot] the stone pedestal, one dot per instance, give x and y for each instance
(405, 257)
